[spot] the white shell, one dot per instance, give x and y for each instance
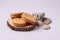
(46, 27)
(38, 15)
(40, 23)
(47, 21)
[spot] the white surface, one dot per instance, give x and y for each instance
(50, 7)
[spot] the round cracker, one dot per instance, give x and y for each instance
(19, 22)
(28, 18)
(16, 15)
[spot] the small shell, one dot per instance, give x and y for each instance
(38, 16)
(40, 23)
(47, 21)
(46, 27)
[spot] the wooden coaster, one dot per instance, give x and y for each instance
(26, 28)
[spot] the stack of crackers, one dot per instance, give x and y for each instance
(21, 21)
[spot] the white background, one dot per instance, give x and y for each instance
(50, 7)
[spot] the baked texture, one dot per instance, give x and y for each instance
(16, 15)
(28, 18)
(19, 22)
